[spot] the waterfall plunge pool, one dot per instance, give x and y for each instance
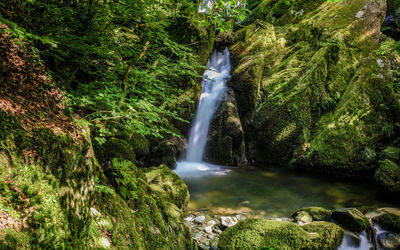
(270, 192)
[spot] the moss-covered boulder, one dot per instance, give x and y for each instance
(388, 219)
(388, 176)
(325, 235)
(167, 185)
(351, 218)
(391, 153)
(260, 233)
(264, 234)
(316, 213)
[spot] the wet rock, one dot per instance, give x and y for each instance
(326, 235)
(388, 176)
(190, 218)
(208, 229)
(389, 219)
(261, 233)
(351, 218)
(197, 236)
(200, 219)
(168, 151)
(226, 137)
(317, 213)
(303, 217)
(211, 223)
(227, 221)
(389, 241)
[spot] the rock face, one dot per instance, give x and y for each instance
(261, 233)
(388, 176)
(310, 86)
(226, 137)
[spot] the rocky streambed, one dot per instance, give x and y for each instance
(306, 228)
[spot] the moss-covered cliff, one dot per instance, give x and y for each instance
(313, 87)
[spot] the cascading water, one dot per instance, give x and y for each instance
(218, 71)
(214, 88)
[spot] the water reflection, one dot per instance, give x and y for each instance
(275, 192)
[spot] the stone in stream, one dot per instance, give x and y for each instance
(388, 219)
(303, 217)
(190, 218)
(200, 219)
(317, 213)
(228, 221)
(208, 229)
(197, 236)
(351, 218)
(264, 234)
(211, 223)
(389, 241)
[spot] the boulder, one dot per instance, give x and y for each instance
(168, 151)
(389, 241)
(164, 183)
(261, 233)
(388, 176)
(328, 235)
(316, 213)
(351, 218)
(388, 219)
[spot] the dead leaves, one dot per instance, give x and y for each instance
(26, 91)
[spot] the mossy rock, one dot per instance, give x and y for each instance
(316, 213)
(389, 220)
(11, 239)
(328, 235)
(118, 148)
(351, 218)
(265, 234)
(388, 176)
(168, 185)
(391, 153)
(139, 144)
(261, 233)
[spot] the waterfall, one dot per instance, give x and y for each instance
(213, 90)
(215, 77)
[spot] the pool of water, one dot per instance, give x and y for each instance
(271, 192)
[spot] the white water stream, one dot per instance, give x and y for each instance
(214, 88)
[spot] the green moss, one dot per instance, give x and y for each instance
(167, 185)
(33, 194)
(140, 144)
(388, 221)
(117, 148)
(392, 153)
(11, 239)
(388, 176)
(260, 233)
(317, 213)
(351, 218)
(328, 235)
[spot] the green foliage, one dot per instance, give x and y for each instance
(225, 13)
(33, 194)
(101, 189)
(124, 177)
(118, 57)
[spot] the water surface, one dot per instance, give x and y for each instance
(272, 192)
